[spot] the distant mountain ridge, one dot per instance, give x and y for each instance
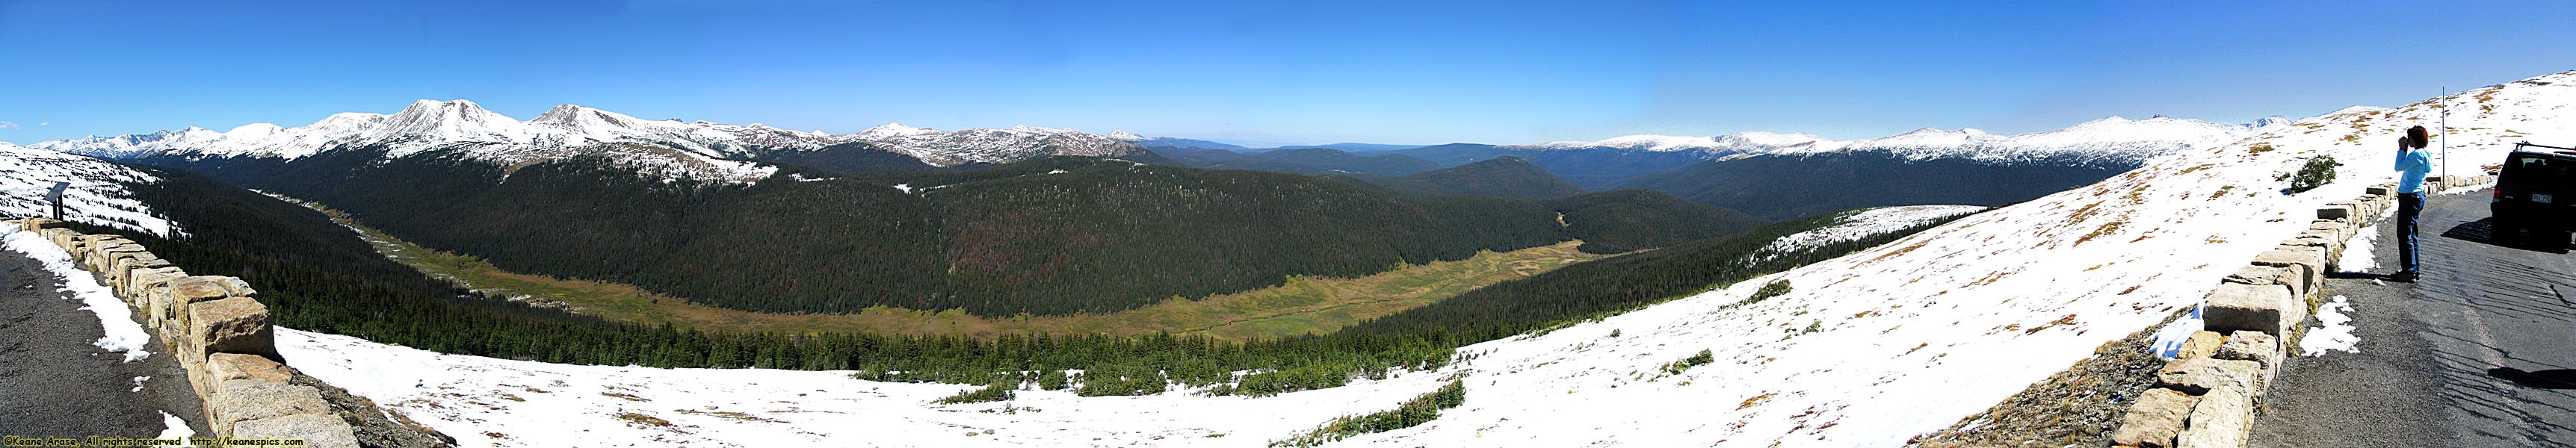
(2114, 138)
(670, 148)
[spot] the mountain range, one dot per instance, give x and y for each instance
(688, 150)
(705, 150)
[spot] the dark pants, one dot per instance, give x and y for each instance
(2408, 205)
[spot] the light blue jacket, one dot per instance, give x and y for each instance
(2412, 166)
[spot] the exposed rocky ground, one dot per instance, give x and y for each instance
(2077, 407)
(375, 429)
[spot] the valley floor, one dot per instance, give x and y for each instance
(1303, 305)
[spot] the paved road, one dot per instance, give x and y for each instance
(53, 383)
(2481, 352)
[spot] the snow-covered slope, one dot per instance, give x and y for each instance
(2108, 139)
(97, 195)
(1912, 336)
(950, 148)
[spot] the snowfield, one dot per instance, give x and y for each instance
(1869, 349)
(2113, 139)
(497, 402)
(97, 194)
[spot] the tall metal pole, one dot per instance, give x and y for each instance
(2446, 135)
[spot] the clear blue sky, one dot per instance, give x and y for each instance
(1302, 71)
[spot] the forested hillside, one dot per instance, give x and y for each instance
(1503, 176)
(318, 276)
(1300, 161)
(1784, 186)
(1049, 236)
(1626, 220)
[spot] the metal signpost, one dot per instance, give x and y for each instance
(56, 196)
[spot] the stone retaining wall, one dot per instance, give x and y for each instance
(220, 332)
(2205, 397)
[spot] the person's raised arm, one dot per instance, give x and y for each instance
(2402, 145)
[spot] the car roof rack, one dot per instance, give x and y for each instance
(2517, 146)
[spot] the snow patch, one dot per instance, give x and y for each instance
(2169, 340)
(2357, 251)
(506, 403)
(2334, 331)
(1863, 224)
(174, 428)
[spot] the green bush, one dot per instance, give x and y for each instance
(1102, 381)
(1775, 288)
(998, 391)
(1412, 413)
(1677, 367)
(2317, 172)
(1052, 380)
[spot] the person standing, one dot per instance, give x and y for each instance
(2413, 163)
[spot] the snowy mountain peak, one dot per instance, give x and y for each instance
(890, 130)
(585, 120)
(1124, 135)
(1026, 129)
(434, 122)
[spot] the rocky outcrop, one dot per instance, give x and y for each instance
(221, 334)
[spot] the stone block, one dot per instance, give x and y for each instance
(2219, 420)
(2310, 264)
(2199, 376)
(234, 325)
(141, 272)
(2155, 420)
(221, 367)
(2337, 229)
(2335, 210)
(62, 238)
(233, 401)
(2200, 345)
(40, 224)
(317, 430)
(2381, 189)
(238, 287)
(2264, 308)
(120, 276)
(2257, 347)
(189, 290)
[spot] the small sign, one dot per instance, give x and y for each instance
(57, 194)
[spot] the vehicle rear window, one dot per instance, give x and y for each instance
(2536, 168)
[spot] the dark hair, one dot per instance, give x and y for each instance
(2415, 136)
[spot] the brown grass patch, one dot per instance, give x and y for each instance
(642, 420)
(2105, 229)
(1756, 401)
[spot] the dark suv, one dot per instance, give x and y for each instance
(2535, 195)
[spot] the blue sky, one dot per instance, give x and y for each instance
(1286, 72)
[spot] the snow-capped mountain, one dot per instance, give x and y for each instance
(951, 148)
(698, 149)
(98, 193)
(2110, 139)
(1173, 142)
